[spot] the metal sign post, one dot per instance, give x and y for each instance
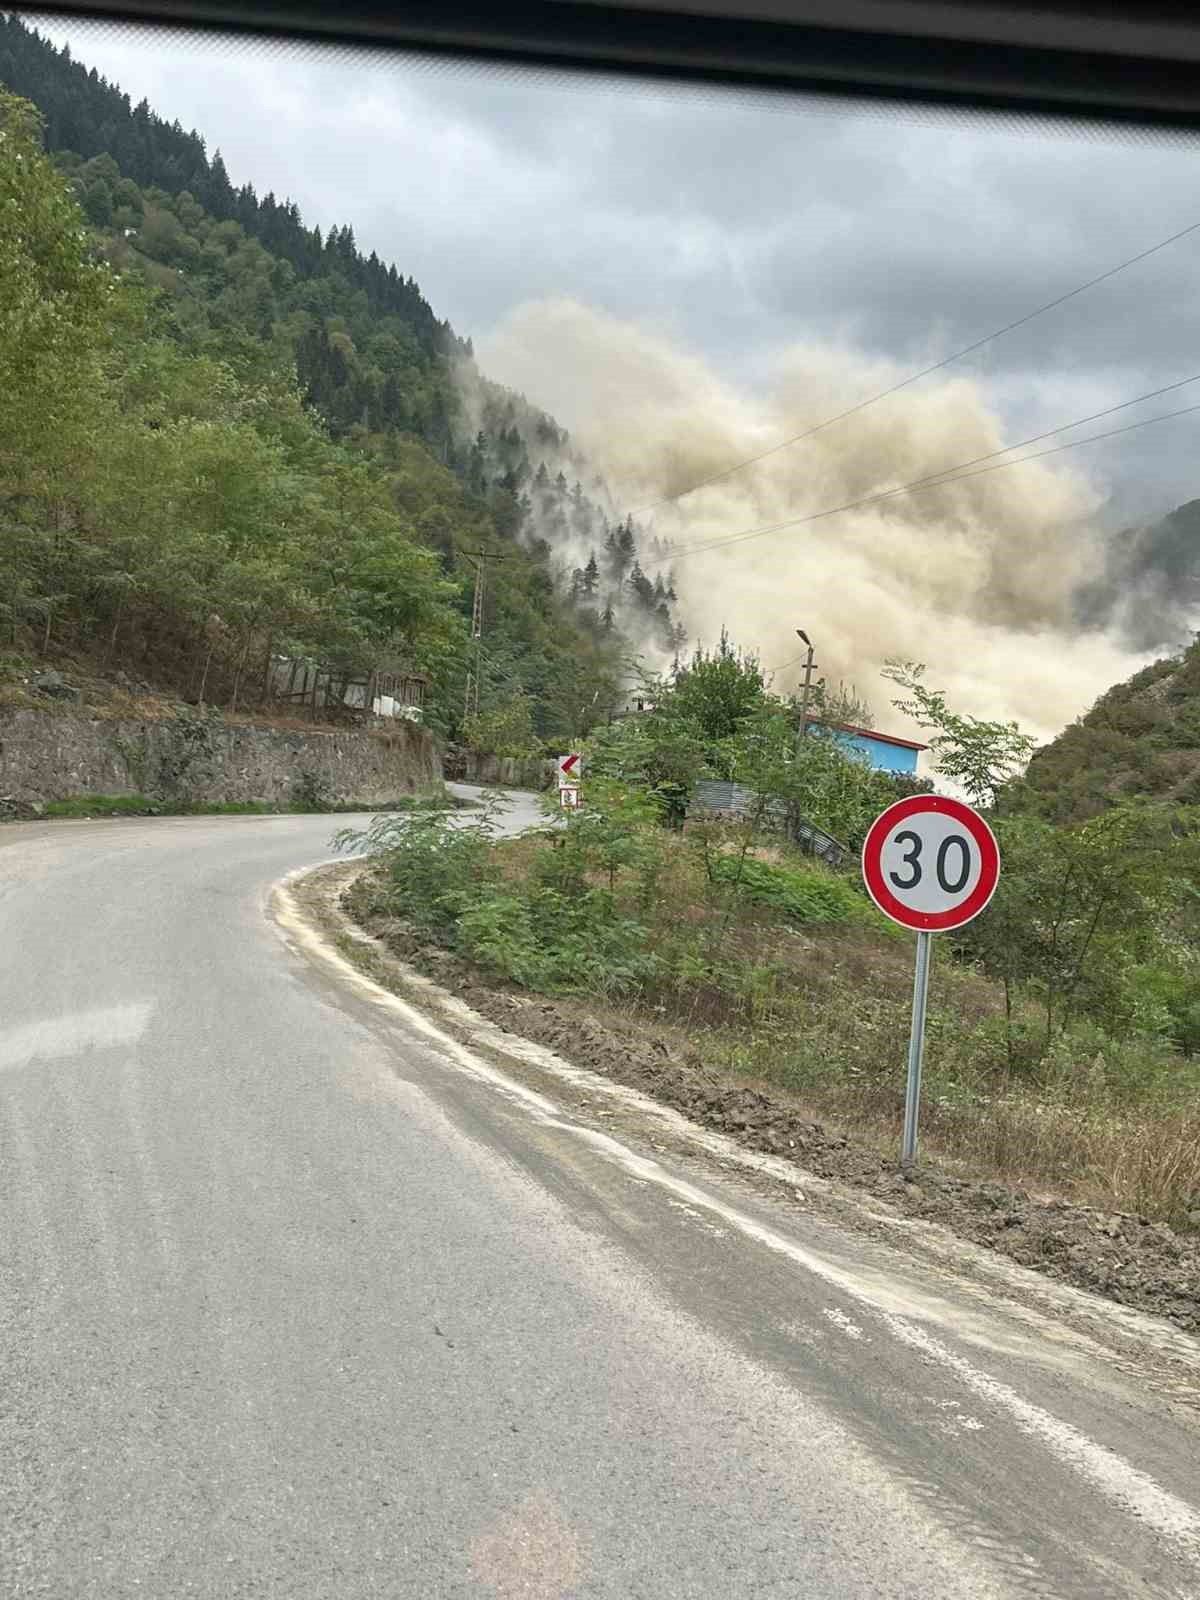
(916, 1051)
(931, 864)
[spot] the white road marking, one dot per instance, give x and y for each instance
(698, 1217)
(58, 1038)
(842, 1321)
(1124, 1485)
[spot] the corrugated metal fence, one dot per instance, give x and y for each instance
(717, 797)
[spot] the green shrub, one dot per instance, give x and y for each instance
(801, 897)
(549, 933)
(555, 943)
(430, 861)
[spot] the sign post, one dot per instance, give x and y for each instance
(916, 1052)
(570, 771)
(931, 864)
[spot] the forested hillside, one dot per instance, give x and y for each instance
(224, 323)
(1141, 740)
(1151, 580)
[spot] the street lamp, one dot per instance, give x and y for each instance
(808, 672)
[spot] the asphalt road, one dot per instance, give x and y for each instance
(299, 1300)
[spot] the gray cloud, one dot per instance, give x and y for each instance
(734, 229)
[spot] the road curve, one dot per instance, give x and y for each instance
(298, 1300)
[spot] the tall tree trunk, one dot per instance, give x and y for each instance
(238, 672)
(1072, 983)
(268, 657)
(112, 638)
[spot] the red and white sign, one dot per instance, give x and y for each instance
(570, 770)
(930, 863)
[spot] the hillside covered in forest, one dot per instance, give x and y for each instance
(1140, 740)
(353, 459)
(1150, 582)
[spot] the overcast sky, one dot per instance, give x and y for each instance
(733, 228)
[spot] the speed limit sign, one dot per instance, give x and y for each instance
(932, 864)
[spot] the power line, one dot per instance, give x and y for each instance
(770, 671)
(1021, 444)
(925, 372)
(938, 481)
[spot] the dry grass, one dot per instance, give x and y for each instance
(819, 1017)
(1145, 1162)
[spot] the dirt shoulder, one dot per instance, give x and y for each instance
(1128, 1259)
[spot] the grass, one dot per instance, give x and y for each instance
(788, 979)
(1073, 1136)
(436, 800)
(140, 805)
(82, 806)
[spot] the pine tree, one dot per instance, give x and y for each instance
(591, 575)
(641, 587)
(614, 561)
(219, 199)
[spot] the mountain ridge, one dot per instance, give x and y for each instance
(1141, 739)
(245, 279)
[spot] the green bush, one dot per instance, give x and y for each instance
(1164, 1001)
(802, 897)
(1085, 1065)
(430, 862)
(549, 933)
(555, 943)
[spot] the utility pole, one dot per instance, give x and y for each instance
(475, 673)
(471, 699)
(809, 666)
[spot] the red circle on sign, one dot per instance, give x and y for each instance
(890, 904)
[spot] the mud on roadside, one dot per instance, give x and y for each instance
(1129, 1259)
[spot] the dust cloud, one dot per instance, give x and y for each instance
(978, 579)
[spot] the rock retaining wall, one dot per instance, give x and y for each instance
(44, 757)
(472, 766)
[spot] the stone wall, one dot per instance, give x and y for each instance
(735, 802)
(48, 756)
(471, 766)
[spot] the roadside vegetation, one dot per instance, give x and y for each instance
(83, 806)
(1064, 1029)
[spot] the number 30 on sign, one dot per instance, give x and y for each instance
(930, 863)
